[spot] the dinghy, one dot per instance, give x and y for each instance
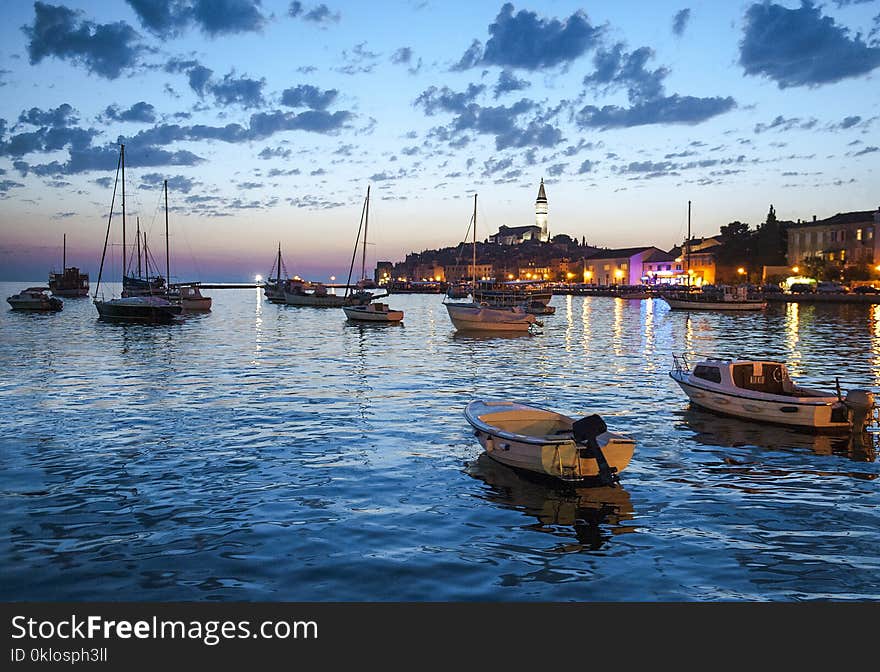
(549, 443)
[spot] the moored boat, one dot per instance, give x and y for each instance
(141, 308)
(36, 299)
(69, 282)
(722, 298)
(190, 297)
(549, 443)
(763, 391)
(373, 312)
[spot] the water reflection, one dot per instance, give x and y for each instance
(718, 431)
(595, 514)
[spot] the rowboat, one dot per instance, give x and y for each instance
(549, 443)
(763, 391)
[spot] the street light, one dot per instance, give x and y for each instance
(795, 269)
(741, 270)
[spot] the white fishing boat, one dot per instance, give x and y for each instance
(365, 310)
(549, 443)
(478, 316)
(721, 298)
(763, 391)
(35, 298)
(315, 295)
(190, 297)
(373, 312)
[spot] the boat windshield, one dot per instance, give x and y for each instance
(767, 377)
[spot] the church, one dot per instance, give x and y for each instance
(513, 235)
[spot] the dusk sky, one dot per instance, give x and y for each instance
(270, 119)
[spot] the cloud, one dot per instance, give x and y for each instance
(780, 123)
(178, 183)
(6, 185)
(523, 40)
(143, 112)
(359, 60)
(508, 82)
(218, 17)
(616, 68)
(3, 74)
(165, 18)
(106, 159)
(504, 121)
(63, 115)
(318, 14)
(672, 109)
(306, 95)
(237, 90)
(800, 47)
(680, 22)
(402, 55)
(867, 150)
(105, 49)
(276, 152)
(556, 169)
(586, 167)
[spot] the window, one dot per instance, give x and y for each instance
(858, 234)
(710, 373)
(834, 236)
(606, 267)
(869, 233)
(623, 266)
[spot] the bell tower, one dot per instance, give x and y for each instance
(541, 213)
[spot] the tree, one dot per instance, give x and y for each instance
(771, 244)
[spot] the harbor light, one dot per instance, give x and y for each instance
(741, 270)
(258, 278)
(877, 268)
(332, 278)
(795, 269)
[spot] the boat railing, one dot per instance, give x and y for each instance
(680, 364)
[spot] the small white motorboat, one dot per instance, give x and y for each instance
(549, 443)
(480, 317)
(763, 391)
(724, 298)
(190, 297)
(35, 298)
(373, 312)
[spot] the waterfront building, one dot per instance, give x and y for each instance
(663, 268)
(539, 231)
(622, 266)
(384, 272)
(465, 272)
(428, 272)
(703, 267)
(847, 239)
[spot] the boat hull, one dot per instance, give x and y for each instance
(363, 314)
(684, 304)
(71, 293)
(467, 317)
(310, 300)
(202, 305)
(122, 311)
(561, 458)
(800, 412)
(50, 305)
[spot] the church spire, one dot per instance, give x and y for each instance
(541, 213)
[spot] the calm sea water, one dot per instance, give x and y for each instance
(265, 452)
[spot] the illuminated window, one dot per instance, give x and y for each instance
(606, 267)
(858, 234)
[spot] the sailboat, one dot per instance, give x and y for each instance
(143, 308)
(70, 282)
(274, 290)
(139, 285)
(715, 298)
(367, 312)
(187, 294)
(473, 316)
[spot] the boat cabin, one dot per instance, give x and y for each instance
(766, 377)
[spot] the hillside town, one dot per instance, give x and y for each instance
(842, 248)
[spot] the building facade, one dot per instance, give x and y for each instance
(539, 231)
(617, 267)
(848, 239)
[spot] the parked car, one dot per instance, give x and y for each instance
(770, 289)
(831, 288)
(802, 288)
(866, 289)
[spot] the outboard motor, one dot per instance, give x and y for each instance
(861, 407)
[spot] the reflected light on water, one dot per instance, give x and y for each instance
(792, 337)
(874, 331)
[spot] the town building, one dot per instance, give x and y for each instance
(465, 272)
(848, 239)
(617, 267)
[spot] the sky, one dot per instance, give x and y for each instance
(269, 120)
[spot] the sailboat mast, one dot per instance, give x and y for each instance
(688, 248)
(366, 224)
(167, 255)
(64, 254)
(138, 236)
(474, 260)
(122, 159)
(279, 263)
